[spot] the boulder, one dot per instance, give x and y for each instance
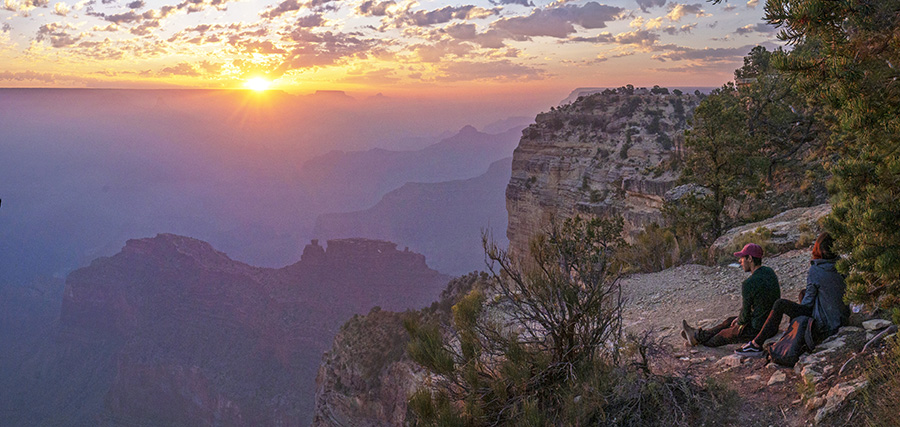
(781, 233)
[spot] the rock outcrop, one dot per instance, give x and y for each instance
(606, 153)
(366, 377)
(183, 335)
(792, 229)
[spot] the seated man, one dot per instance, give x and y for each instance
(759, 292)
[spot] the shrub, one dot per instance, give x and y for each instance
(879, 400)
(761, 236)
(654, 249)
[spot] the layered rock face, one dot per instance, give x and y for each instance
(195, 338)
(607, 153)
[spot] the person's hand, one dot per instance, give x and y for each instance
(734, 323)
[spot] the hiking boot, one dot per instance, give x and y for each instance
(750, 350)
(689, 333)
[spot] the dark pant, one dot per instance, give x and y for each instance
(781, 307)
(724, 333)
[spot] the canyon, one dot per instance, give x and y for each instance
(172, 331)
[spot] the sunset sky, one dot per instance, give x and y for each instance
(369, 46)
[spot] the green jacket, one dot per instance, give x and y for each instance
(759, 292)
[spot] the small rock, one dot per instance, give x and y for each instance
(694, 351)
(811, 374)
(772, 365)
(815, 403)
(753, 378)
(729, 361)
(776, 378)
(876, 324)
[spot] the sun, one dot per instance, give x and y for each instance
(258, 84)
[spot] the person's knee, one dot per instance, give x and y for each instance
(781, 304)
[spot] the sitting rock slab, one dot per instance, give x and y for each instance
(876, 324)
(786, 227)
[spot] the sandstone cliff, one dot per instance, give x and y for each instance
(605, 153)
(172, 332)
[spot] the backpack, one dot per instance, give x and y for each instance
(798, 339)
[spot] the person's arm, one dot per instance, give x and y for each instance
(747, 304)
(812, 290)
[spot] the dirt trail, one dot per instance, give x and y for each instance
(705, 296)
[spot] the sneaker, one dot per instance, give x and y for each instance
(689, 333)
(750, 350)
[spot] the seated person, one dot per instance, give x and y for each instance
(823, 299)
(759, 292)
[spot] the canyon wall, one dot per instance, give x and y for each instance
(609, 152)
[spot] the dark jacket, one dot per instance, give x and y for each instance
(825, 294)
(759, 292)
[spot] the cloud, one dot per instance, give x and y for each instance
(673, 30)
(200, 5)
(423, 18)
(180, 69)
(137, 4)
(751, 4)
(654, 23)
(282, 8)
(383, 76)
(5, 28)
(29, 76)
(191, 69)
(437, 51)
(503, 70)
(25, 6)
(527, 3)
(288, 6)
(60, 9)
(559, 22)
(645, 5)
(678, 11)
(761, 28)
(58, 34)
(642, 38)
(310, 21)
(373, 8)
(681, 53)
(312, 50)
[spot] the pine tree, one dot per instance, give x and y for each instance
(722, 157)
(847, 57)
